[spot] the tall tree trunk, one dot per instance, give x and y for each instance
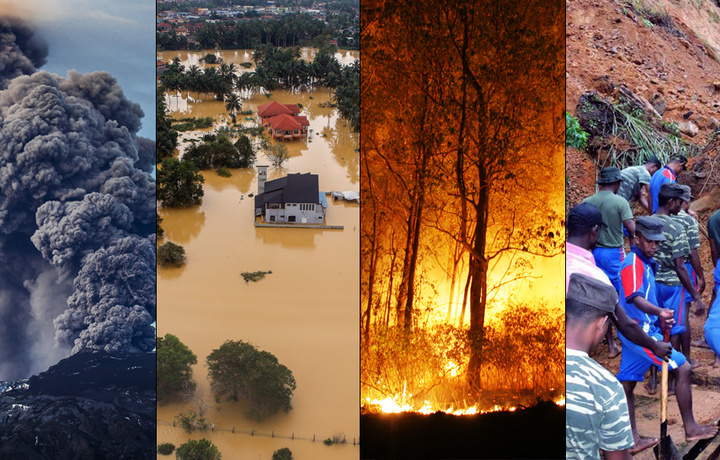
(407, 286)
(478, 272)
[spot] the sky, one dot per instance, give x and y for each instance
(91, 35)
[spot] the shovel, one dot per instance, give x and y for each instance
(666, 450)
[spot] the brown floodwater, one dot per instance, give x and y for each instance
(305, 312)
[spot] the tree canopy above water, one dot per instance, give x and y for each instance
(240, 372)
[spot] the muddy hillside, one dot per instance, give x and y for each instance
(643, 78)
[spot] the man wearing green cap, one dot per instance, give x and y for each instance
(596, 416)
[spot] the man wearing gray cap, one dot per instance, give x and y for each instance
(596, 416)
(672, 278)
(609, 252)
(638, 298)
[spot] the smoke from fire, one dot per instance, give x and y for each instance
(77, 212)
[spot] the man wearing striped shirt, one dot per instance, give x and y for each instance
(596, 412)
(638, 298)
(672, 276)
(694, 269)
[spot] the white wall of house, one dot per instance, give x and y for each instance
(299, 213)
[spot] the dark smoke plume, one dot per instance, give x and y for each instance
(21, 52)
(77, 212)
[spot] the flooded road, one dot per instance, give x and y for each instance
(305, 312)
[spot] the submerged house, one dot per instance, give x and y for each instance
(283, 120)
(295, 198)
(288, 128)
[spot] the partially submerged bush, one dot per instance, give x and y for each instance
(282, 454)
(254, 276)
(166, 448)
(171, 254)
(190, 421)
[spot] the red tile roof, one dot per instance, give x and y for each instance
(275, 108)
(288, 122)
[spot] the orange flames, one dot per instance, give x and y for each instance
(400, 403)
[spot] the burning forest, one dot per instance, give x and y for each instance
(462, 190)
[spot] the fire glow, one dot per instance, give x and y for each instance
(395, 405)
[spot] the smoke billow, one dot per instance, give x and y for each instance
(77, 212)
(22, 52)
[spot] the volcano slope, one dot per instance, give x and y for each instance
(90, 405)
(643, 77)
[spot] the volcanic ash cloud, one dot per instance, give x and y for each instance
(77, 212)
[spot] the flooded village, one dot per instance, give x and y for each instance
(304, 311)
(301, 236)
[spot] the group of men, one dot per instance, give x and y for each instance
(646, 292)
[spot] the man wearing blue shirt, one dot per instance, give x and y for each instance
(638, 298)
(666, 175)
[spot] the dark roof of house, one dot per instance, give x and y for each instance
(293, 188)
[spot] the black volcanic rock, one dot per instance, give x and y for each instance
(90, 406)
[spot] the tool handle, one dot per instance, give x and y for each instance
(663, 395)
(664, 388)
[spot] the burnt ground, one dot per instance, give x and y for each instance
(526, 433)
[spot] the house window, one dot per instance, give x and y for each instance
(296, 132)
(272, 218)
(291, 218)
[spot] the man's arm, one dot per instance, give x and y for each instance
(687, 284)
(632, 331)
(697, 266)
(644, 197)
(617, 454)
(646, 307)
(630, 227)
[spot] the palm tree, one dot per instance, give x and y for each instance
(233, 105)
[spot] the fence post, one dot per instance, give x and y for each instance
(252, 432)
(233, 430)
(313, 438)
(293, 436)
(273, 433)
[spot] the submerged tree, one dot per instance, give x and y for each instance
(171, 254)
(174, 374)
(179, 183)
(201, 449)
(239, 371)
